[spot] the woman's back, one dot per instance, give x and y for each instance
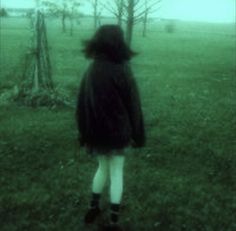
(103, 110)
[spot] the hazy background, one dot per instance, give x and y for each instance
(182, 180)
(193, 10)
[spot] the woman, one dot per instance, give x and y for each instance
(109, 115)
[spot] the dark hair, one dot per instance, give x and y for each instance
(108, 42)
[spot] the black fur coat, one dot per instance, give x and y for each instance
(108, 113)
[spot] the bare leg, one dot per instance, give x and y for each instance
(116, 164)
(101, 175)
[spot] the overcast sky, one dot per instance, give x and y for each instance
(196, 10)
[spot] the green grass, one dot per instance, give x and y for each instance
(183, 180)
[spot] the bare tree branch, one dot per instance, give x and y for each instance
(64, 9)
(137, 11)
(109, 7)
(116, 7)
(96, 12)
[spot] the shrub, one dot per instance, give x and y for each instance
(3, 12)
(170, 27)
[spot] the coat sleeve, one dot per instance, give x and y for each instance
(132, 102)
(80, 113)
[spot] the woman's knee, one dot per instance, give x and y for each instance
(116, 167)
(103, 164)
(117, 161)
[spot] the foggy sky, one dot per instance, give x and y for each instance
(193, 10)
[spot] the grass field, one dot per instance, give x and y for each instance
(183, 180)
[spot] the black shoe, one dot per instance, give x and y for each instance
(91, 215)
(111, 227)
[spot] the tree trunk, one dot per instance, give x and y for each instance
(95, 14)
(120, 7)
(46, 58)
(130, 22)
(119, 21)
(145, 23)
(36, 78)
(36, 50)
(42, 76)
(71, 25)
(63, 21)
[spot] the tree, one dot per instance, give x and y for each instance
(116, 8)
(3, 12)
(37, 74)
(63, 9)
(96, 13)
(124, 10)
(72, 12)
(136, 11)
(58, 9)
(132, 12)
(170, 26)
(120, 11)
(149, 7)
(130, 8)
(37, 87)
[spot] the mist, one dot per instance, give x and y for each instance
(165, 73)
